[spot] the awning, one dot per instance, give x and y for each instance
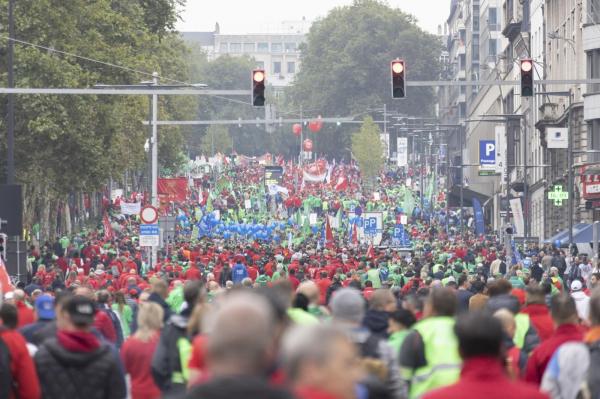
(468, 195)
(563, 236)
(585, 236)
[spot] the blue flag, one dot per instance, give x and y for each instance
(479, 223)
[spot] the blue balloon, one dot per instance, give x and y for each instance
(227, 235)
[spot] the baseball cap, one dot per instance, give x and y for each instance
(81, 309)
(576, 285)
(44, 307)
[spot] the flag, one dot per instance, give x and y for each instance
(338, 218)
(6, 284)
(108, 231)
(209, 205)
(328, 234)
(354, 234)
(370, 251)
(341, 184)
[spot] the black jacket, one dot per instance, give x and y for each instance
(75, 375)
(166, 360)
(237, 387)
(154, 297)
(377, 322)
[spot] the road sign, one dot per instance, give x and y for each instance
(370, 225)
(149, 230)
(149, 215)
(487, 152)
(149, 235)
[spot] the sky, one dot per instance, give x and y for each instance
(240, 16)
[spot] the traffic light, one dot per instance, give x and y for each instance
(527, 77)
(258, 88)
(398, 83)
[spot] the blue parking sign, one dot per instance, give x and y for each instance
(487, 152)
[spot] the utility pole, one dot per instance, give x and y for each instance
(154, 144)
(10, 123)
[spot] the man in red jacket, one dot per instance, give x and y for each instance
(535, 307)
(22, 369)
(483, 374)
(564, 314)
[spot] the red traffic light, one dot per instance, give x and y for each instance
(526, 65)
(397, 66)
(258, 75)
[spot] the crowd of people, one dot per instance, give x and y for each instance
(293, 313)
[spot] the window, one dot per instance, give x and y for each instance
(235, 47)
(223, 48)
(263, 47)
(594, 131)
(593, 70)
(291, 67)
(290, 47)
(249, 47)
(276, 47)
(277, 67)
(493, 47)
(493, 19)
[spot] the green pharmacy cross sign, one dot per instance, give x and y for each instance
(558, 195)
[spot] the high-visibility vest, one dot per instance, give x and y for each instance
(522, 326)
(441, 352)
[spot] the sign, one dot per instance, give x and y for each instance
(402, 151)
(557, 137)
(247, 204)
(500, 133)
(131, 208)
(372, 227)
(149, 215)
(149, 229)
(557, 195)
(487, 172)
(149, 235)
(487, 152)
(312, 219)
(273, 176)
(400, 237)
(517, 211)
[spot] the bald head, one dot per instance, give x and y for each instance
(240, 335)
(309, 289)
(383, 300)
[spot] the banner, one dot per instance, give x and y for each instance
(173, 190)
(517, 211)
(479, 223)
(131, 208)
(402, 152)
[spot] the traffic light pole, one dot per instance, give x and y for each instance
(10, 123)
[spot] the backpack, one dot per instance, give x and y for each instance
(6, 382)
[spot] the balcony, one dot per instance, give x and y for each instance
(591, 37)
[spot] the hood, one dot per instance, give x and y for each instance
(376, 321)
(74, 359)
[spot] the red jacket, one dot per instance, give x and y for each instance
(485, 377)
(536, 365)
(25, 315)
(541, 320)
(313, 393)
(22, 368)
(104, 324)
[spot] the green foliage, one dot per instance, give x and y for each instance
(367, 149)
(216, 139)
(68, 143)
(346, 65)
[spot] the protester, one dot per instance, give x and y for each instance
(44, 311)
(535, 307)
(26, 314)
(400, 321)
(240, 350)
(18, 377)
(431, 344)
(582, 301)
(480, 338)
(564, 315)
(376, 318)
(137, 351)
(321, 363)
(76, 364)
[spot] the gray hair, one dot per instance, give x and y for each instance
(308, 343)
(241, 332)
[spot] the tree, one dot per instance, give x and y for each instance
(346, 66)
(216, 139)
(367, 149)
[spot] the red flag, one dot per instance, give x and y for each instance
(173, 190)
(370, 252)
(341, 183)
(108, 231)
(355, 235)
(5, 283)
(328, 234)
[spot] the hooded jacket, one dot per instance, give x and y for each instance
(377, 322)
(74, 375)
